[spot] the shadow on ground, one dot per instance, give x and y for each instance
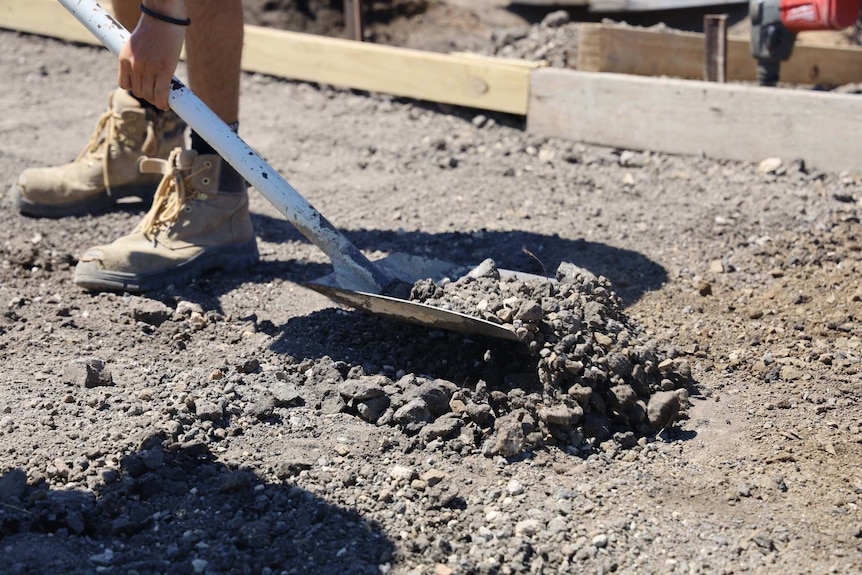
(173, 508)
(631, 273)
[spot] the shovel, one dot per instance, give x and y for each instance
(355, 281)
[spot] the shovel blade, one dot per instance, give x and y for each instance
(410, 269)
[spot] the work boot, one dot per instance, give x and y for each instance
(199, 221)
(107, 168)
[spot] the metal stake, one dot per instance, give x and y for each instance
(353, 19)
(715, 28)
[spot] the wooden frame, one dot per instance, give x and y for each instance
(639, 51)
(728, 121)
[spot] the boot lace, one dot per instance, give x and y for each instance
(106, 124)
(171, 197)
(107, 129)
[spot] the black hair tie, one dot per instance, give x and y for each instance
(164, 17)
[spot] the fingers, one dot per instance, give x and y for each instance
(124, 75)
(153, 87)
(161, 89)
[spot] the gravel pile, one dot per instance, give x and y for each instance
(597, 377)
(554, 40)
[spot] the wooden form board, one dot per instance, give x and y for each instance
(43, 17)
(728, 121)
(475, 81)
(643, 52)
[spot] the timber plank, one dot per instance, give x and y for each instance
(45, 18)
(727, 121)
(643, 52)
(474, 82)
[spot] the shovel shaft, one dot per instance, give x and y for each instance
(353, 270)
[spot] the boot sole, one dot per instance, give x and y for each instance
(93, 206)
(225, 258)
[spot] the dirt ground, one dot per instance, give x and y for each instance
(224, 427)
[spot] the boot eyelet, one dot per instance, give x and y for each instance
(205, 181)
(187, 208)
(208, 164)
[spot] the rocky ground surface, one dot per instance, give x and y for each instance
(245, 424)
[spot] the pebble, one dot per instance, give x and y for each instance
(402, 472)
(769, 166)
(514, 487)
(527, 527)
(88, 372)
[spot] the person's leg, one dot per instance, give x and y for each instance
(200, 221)
(214, 51)
(127, 12)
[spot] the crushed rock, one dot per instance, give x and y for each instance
(595, 375)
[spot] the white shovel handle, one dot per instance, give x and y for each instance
(352, 269)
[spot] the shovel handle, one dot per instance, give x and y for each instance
(352, 269)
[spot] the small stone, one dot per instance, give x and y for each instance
(186, 308)
(514, 487)
(372, 409)
(702, 286)
(209, 410)
(402, 473)
(432, 477)
(443, 428)
(486, 269)
(199, 565)
(104, 558)
(561, 415)
(527, 527)
(769, 166)
(600, 541)
(363, 389)
(556, 19)
(88, 372)
(149, 311)
(413, 416)
(662, 409)
(249, 366)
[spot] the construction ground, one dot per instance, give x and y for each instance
(230, 426)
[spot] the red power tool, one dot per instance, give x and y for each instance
(775, 23)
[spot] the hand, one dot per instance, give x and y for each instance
(149, 59)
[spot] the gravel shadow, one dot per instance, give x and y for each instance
(173, 508)
(631, 273)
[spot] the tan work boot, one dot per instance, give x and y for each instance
(107, 168)
(191, 228)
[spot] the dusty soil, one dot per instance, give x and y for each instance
(226, 426)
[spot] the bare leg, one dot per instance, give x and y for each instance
(214, 46)
(127, 12)
(214, 50)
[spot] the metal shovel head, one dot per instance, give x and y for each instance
(410, 269)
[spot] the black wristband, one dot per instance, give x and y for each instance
(164, 17)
